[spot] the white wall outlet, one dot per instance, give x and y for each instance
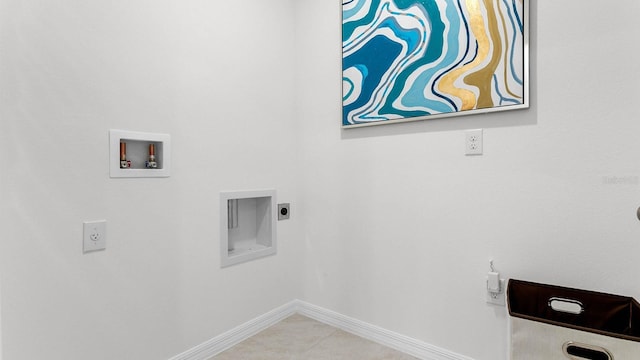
(94, 235)
(473, 142)
(497, 298)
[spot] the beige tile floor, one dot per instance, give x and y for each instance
(300, 338)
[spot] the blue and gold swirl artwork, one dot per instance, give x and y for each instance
(404, 59)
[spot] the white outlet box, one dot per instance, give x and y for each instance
(473, 142)
(94, 235)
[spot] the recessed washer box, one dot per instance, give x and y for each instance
(247, 225)
(137, 149)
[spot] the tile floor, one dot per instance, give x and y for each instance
(300, 338)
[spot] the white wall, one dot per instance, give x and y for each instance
(400, 225)
(1, 317)
(217, 76)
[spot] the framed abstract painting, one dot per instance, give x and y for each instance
(406, 60)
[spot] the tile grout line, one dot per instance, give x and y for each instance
(335, 330)
(296, 353)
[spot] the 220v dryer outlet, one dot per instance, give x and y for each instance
(94, 236)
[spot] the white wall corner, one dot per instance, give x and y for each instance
(236, 335)
(374, 333)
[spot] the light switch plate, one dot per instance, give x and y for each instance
(94, 236)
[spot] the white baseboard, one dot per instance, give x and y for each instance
(377, 334)
(235, 336)
(374, 333)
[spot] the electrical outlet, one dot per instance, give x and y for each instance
(283, 211)
(499, 297)
(473, 142)
(94, 235)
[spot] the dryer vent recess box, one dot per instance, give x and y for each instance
(247, 225)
